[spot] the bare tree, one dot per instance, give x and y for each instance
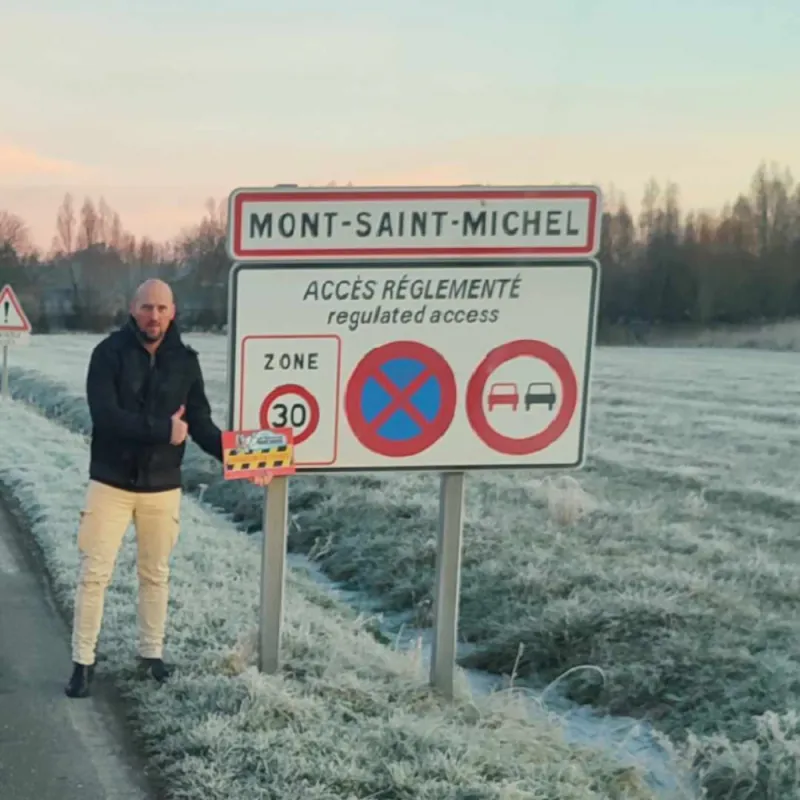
(14, 233)
(65, 226)
(88, 231)
(668, 267)
(116, 233)
(105, 218)
(649, 213)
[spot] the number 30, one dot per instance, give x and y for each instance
(295, 414)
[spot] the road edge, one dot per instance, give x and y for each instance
(107, 698)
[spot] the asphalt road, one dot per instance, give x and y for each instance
(51, 747)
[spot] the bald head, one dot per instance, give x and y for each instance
(153, 288)
(153, 308)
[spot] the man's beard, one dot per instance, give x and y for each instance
(150, 337)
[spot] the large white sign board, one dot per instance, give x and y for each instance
(421, 365)
(544, 221)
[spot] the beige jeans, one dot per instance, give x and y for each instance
(104, 520)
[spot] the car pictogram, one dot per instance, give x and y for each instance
(503, 394)
(540, 394)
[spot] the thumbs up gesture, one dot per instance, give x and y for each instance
(179, 427)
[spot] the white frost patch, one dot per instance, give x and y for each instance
(566, 500)
(8, 561)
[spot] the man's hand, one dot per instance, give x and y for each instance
(261, 480)
(179, 427)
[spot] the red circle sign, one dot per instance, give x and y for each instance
(305, 395)
(510, 445)
(389, 403)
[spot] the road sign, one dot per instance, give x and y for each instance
(293, 405)
(290, 381)
(398, 222)
(401, 399)
(480, 359)
(14, 325)
(538, 432)
(432, 365)
(15, 329)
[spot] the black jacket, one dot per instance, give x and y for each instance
(132, 397)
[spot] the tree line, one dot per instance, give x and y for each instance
(663, 268)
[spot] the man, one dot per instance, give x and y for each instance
(145, 393)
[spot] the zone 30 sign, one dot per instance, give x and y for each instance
(455, 361)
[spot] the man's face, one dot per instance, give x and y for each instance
(153, 313)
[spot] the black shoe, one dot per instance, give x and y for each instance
(156, 667)
(80, 683)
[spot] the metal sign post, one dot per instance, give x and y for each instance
(5, 372)
(273, 566)
(448, 581)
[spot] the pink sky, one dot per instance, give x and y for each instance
(158, 200)
(157, 109)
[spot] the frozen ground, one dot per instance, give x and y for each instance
(670, 562)
(776, 336)
(769, 336)
(347, 718)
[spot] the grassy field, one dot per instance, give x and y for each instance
(776, 336)
(346, 718)
(669, 562)
(783, 336)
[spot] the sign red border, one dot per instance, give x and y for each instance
(7, 293)
(435, 366)
(300, 391)
(242, 196)
(243, 383)
(476, 415)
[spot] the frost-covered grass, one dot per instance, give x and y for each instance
(346, 718)
(670, 562)
(772, 336)
(779, 336)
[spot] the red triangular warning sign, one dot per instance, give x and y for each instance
(12, 317)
